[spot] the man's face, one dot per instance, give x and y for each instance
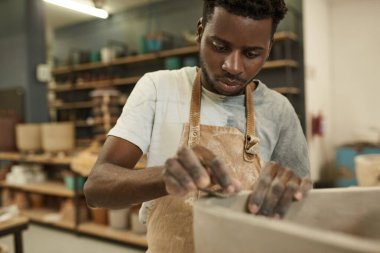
(233, 49)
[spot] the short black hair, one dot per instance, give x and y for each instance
(255, 9)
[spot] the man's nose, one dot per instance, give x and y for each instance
(233, 63)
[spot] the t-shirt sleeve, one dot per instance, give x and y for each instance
(291, 149)
(136, 120)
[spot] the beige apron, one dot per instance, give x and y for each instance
(170, 220)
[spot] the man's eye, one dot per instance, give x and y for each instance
(219, 47)
(251, 54)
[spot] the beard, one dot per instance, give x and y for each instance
(211, 84)
(206, 82)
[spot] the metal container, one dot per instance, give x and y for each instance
(329, 220)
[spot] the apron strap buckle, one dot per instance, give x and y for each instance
(250, 147)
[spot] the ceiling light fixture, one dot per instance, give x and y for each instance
(87, 9)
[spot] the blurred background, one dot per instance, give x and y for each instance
(65, 75)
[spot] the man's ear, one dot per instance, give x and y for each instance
(200, 30)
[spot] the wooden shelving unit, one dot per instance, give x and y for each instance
(41, 159)
(45, 188)
(280, 64)
(58, 189)
(152, 56)
(48, 217)
(123, 236)
(70, 81)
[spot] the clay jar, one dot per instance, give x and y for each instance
(68, 211)
(28, 137)
(58, 137)
(118, 219)
(21, 200)
(36, 200)
(99, 216)
(367, 168)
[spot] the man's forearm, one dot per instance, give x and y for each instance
(111, 186)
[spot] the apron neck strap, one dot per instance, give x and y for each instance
(251, 140)
(195, 111)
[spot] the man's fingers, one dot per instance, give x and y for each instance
(275, 191)
(292, 186)
(217, 169)
(305, 187)
(193, 166)
(173, 187)
(175, 171)
(261, 187)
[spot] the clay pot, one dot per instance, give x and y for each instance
(99, 216)
(68, 211)
(118, 219)
(136, 226)
(367, 168)
(28, 137)
(36, 200)
(58, 137)
(7, 199)
(21, 200)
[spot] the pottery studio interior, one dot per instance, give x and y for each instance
(164, 126)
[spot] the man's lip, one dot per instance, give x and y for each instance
(230, 82)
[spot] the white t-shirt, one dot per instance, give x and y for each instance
(159, 105)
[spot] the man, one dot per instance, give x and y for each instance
(206, 129)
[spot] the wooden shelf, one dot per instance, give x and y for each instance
(76, 105)
(83, 142)
(61, 87)
(91, 65)
(288, 90)
(82, 123)
(41, 216)
(126, 81)
(178, 51)
(285, 35)
(43, 158)
(97, 84)
(45, 188)
(61, 70)
(90, 85)
(124, 236)
(280, 64)
(72, 105)
(135, 59)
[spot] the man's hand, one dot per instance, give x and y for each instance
(196, 168)
(275, 190)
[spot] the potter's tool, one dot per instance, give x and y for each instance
(217, 194)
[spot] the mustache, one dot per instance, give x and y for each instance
(232, 78)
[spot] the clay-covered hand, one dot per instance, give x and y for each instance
(275, 190)
(196, 168)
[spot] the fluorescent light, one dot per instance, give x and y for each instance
(75, 6)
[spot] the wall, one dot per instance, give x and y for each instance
(129, 26)
(342, 80)
(22, 47)
(318, 82)
(171, 16)
(356, 51)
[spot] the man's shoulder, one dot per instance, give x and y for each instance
(266, 95)
(173, 77)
